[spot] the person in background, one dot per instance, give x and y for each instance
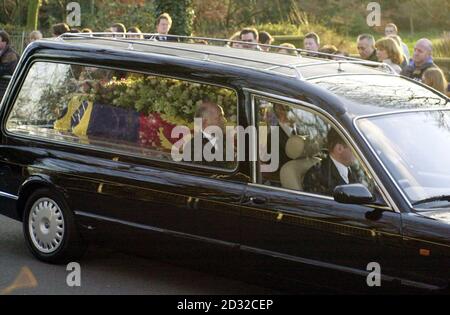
(163, 25)
(134, 33)
(366, 47)
(311, 42)
(59, 29)
(390, 53)
(329, 50)
(435, 78)
(265, 39)
(108, 30)
(421, 61)
(399, 42)
(235, 37)
(288, 49)
(8, 56)
(392, 29)
(118, 28)
(250, 36)
(34, 36)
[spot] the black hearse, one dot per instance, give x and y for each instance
(90, 151)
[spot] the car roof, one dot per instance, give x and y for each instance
(294, 66)
(343, 86)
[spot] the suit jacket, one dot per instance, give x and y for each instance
(214, 163)
(282, 140)
(166, 38)
(8, 61)
(324, 177)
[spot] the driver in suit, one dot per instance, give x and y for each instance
(332, 171)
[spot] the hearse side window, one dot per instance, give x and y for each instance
(120, 111)
(295, 151)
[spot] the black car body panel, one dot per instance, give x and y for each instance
(272, 231)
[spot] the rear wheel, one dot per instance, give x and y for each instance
(49, 228)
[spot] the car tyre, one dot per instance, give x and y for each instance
(49, 228)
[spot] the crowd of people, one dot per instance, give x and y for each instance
(389, 50)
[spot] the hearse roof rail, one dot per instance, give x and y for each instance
(149, 40)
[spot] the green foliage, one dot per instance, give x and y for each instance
(110, 12)
(101, 15)
(12, 12)
(442, 46)
(33, 14)
(294, 35)
(174, 98)
(182, 13)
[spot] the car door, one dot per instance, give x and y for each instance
(311, 237)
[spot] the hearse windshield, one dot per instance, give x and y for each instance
(381, 91)
(415, 149)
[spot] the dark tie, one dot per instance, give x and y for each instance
(351, 178)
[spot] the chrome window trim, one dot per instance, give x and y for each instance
(255, 152)
(9, 196)
(193, 166)
(355, 124)
(391, 205)
(312, 195)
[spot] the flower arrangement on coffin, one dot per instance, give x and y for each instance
(162, 104)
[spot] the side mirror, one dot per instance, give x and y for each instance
(356, 194)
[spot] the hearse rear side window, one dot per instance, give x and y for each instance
(134, 113)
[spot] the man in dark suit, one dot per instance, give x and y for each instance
(163, 25)
(332, 171)
(206, 139)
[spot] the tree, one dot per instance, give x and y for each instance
(182, 13)
(33, 14)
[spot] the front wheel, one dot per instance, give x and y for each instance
(49, 228)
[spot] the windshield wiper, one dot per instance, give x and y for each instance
(432, 199)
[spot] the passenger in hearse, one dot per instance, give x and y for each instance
(286, 129)
(334, 170)
(211, 115)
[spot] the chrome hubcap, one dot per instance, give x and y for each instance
(46, 225)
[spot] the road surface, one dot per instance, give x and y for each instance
(104, 271)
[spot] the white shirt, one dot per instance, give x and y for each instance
(211, 139)
(342, 169)
(288, 129)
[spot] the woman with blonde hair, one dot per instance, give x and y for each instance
(389, 52)
(434, 77)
